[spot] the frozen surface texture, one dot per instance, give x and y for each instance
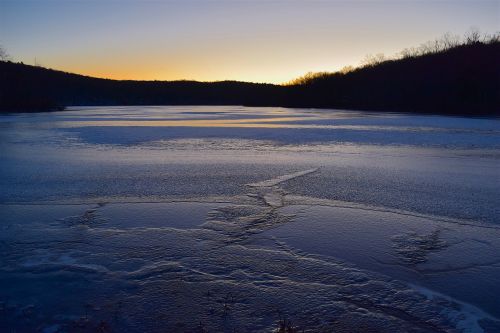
(234, 219)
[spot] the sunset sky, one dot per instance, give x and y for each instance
(261, 41)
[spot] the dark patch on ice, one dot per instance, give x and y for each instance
(413, 248)
(89, 218)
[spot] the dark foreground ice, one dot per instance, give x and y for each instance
(209, 219)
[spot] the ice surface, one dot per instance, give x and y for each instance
(444, 255)
(185, 219)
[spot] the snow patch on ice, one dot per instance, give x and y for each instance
(281, 179)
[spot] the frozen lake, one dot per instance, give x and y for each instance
(227, 218)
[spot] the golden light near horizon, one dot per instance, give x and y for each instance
(264, 41)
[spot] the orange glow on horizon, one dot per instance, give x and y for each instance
(213, 68)
(253, 41)
(163, 72)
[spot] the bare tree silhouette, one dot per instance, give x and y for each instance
(373, 60)
(472, 36)
(4, 56)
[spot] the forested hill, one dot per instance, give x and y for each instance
(464, 79)
(460, 80)
(27, 87)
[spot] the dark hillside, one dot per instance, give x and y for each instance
(463, 80)
(26, 87)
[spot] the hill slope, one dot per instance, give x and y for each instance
(464, 79)
(26, 87)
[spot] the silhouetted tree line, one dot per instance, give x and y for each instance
(446, 42)
(447, 76)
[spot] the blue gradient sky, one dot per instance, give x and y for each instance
(263, 41)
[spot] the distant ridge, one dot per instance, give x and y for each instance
(463, 79)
